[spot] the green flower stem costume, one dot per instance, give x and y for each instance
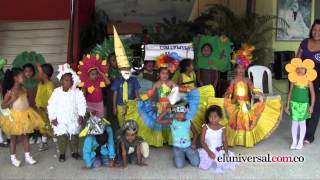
(299, 103)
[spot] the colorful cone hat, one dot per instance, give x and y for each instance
(122, 59)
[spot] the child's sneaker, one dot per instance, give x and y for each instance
(299, 146)
(15, 161)
(62, 158)
(75, 155)
(39, 141)
(43, 147)
(31, 140)
(30, 160)
(293, 146)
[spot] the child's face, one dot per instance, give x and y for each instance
(66, 81)
(149, 65)
(214, 118)
(190, 68)
(19, 78)
(28, 72)
(113, 61)
(93, 74)
(301, 71)
(130, 137)
(206, 50)
(164, 74)
(240, 70)
(180, 116)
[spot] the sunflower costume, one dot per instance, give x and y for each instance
(21, 118)
(299, 101)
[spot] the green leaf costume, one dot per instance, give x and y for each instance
(220, 57)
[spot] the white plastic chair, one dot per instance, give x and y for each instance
(255, 73)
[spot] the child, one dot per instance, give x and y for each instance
(31, 85)
(20, 119)
(187, 75)
(248, 124)
(44, 91)
(93, 78)
(113, 67)
(149, 73)
(99, 149)
(131, 146)
(299, 106)
(66, 109)
(125, 88)
(180, 129)
(214, 142)
(163, 87)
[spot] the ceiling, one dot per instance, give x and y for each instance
(145, 11)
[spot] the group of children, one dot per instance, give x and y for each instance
(176, 112)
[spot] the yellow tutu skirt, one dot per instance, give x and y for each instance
(247, 127)
(21, 122)
(46, 129)
(206, 93)
(154, 138)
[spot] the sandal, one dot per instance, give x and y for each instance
(306, 142)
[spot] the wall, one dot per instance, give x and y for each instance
(265, 7)
(17, 10)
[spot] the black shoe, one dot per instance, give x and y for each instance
(62, 158)
(75, 155)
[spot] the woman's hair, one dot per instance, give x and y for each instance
(184, 64)
(47, 69)
(29, 65)
(213, 109)
(8, 80)
(315, 22)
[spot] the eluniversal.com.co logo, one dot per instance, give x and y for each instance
(262, 158)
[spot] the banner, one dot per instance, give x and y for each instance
(184, 50)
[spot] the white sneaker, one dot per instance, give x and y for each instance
(299, 146)
(15, 162)
(39, 141)
(293, 146)
(30, 160)
(31, 141)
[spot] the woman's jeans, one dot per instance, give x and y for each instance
(180, 155)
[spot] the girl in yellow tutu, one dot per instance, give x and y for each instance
(19, 119)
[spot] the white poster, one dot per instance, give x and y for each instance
(184, 50)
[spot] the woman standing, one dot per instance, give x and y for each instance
(310, 49)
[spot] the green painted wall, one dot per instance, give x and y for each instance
(269, 7)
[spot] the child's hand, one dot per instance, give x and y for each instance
(54, 122)
(287, 109)
(212, 155)
(311, 109)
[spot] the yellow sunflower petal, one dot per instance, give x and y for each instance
(88, 56)
(303, 80)
(311, 75)
(104, 62)
(80, 63)
(97, 56)
(102, 84)
(297, 62)
(91, 89)
(81, 84)
(290, 68)
(293, 77)
(308, 64)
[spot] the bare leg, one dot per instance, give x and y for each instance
(26, 145)
(13, 143)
